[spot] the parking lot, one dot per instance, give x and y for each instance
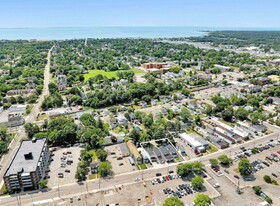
(178, 187)
(118, 165)
(227, 189)
(65, 161)
(190, 153)
(262, 166)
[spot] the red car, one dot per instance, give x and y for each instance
(236, 176)
(278, 152)
(197, 153)
(216, 170)
(166, 177)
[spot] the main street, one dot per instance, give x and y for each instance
(64, 192)
(14, 145)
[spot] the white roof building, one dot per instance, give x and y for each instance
(191, 141)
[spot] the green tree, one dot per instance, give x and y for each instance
(214, 162)
(185, 115)
(202, 200)
(267, 179)
(197, 166)
(255, 150)
(43, 184)
(184, 169)
(3, 133)
(104, 168)
(31, 129)
(225, 160)
(197, 182)
(53, 88)
(245, 167)
(241, 113)
(173, 201)
(134, 135)
(3, 147)
(257, 189)
(101, 155)
(227, 114)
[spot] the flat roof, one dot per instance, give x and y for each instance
(4, 116)
(190, 139)
(124, 149)
(20, 163)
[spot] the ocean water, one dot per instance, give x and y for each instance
(61, 33)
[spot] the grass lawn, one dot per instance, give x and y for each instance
(41, 117)
(93, 176)
(28, 110)
(212, 149)
(93, 155)
(142, 167)
(109, 75)
(3, 190)
(137, 107)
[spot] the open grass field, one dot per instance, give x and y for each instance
(109, 75)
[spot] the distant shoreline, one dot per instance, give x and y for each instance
(145, 32)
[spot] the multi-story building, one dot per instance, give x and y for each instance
(28, 166)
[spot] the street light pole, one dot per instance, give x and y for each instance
(58, 191)
(87, 187)
(17, 198)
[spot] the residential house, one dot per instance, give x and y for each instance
(134, 152)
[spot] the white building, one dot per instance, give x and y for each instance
(195, 144)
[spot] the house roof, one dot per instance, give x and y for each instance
(133, 149)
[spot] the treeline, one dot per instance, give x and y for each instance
(264, 39)
(22, 65)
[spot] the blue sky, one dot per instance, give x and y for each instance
(90, 13)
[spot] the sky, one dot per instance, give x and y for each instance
(93, 13)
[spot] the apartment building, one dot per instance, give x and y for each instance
(28, 166)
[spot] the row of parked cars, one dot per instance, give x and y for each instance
(163, 178)
(244, 153)
(181, 190)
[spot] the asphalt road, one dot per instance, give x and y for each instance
(14, 145)
(72, 190)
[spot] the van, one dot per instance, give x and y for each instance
(69, 162)
(158, 174)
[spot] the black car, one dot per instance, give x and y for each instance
(273, 174)
(158, 174)
(158, 180)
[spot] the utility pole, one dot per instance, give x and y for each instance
(17, 198)
(32, 199)
(87, 187)
(58, 191)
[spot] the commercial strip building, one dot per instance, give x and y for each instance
(234, 135)
(28, 166)
(197, 144)
(11, 120)
(123, 151)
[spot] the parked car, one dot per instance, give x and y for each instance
(216, 185)
(273, 174)
(236, 176)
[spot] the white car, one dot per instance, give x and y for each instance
(217, 185)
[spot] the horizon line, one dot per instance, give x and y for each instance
(63, 27)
